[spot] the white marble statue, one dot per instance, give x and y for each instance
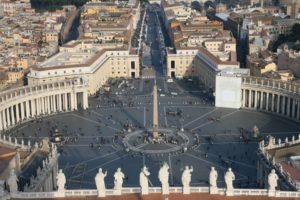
(186, 179)
(100, 184)
(12, 182)
(163, 176)
(119, 176)
(229, 178)
(61, 180)
(213, 176)
(272, 180)
(144, 180)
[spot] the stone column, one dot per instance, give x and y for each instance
(278, 103)
(65, 100)
(283, 105)
(17, 113)
(51, 103)
(54, 103)
(250, 98)
(42, 105)
(72, 101)
(22, 111)
(256, 99)
(12, 115)
(244, 98)
(48, 105)
(27, 109)
(38, 106)
(273, 102)
(288, 107)
(261, 100)
(8, 117)
(267, 101)
(59, 102)
(4, 124)
(33, 109)
(294, 108)
(85, 100)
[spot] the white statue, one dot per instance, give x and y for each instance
(272, 180)
(144, 180)
(163, 176)
(100, 184)
(119, 176)
(229, 178)
(61, 180)
(12, 182)
(213, 176)
(186, 179)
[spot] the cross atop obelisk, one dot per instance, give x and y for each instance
(155, 112)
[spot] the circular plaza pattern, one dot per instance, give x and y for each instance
(173, 142)
(89, 136)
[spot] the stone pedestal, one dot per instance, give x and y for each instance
(229, 192)
(213, 190)
(186, 190)
(271, 193)
(60, 193)
(144, 190)
(165, 190)
(101, 193)
(117, 192)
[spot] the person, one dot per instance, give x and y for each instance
(187, 176)
(119, 176)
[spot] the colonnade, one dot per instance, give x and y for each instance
(271, 95)
(24, 103)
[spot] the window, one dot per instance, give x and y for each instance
(132, 65)
(173, 64)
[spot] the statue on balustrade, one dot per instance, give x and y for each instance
(229, 178)
(119, 176)
(144, 180)
(163, 176)
(213, 176)
(12, 182)
(272, 180)
(100, 183)
(61, 180)
(186, 179)
(187, 176)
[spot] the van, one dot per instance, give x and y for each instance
(174, 93)
(170, 80)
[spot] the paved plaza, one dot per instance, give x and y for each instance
(90, 136)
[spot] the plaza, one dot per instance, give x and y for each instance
(91, 136)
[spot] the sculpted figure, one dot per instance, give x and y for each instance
(186, 176)
(100, 184)
(163, 176)
(12, 182)
(61, 180)
(229, 178)
(272, 180)
(144, 180)
(119, 176)
(213, 176)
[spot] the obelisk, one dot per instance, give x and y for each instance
(155, 113)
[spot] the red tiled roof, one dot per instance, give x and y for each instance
(294, 172)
